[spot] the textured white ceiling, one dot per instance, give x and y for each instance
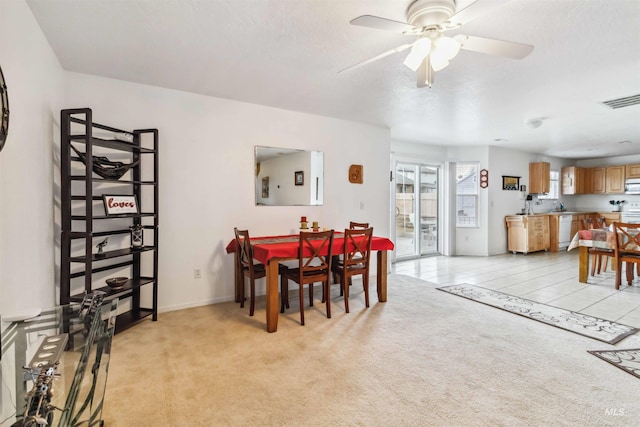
(287, 54)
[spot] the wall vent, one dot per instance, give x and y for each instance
(627, 101)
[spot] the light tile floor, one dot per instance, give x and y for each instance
(547, 277)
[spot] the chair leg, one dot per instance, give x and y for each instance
(252, 303)
(311, 294)
(605, 261)
(301, 304)
(242, 297)
(629, 273)
(365, 282)
(618, 274)
(599, 263)
(594, 261)
(284, 293)
(344, 284)
(325, 287)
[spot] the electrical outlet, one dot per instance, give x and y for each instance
(196, 273)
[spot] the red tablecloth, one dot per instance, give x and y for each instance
(265, 248)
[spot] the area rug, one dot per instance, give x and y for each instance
(589, 326)
(627, 360)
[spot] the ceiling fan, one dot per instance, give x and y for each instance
(432, 50)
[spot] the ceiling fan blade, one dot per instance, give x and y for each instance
(494, 47)
(475, 9)
(379, 23)
(375, 58)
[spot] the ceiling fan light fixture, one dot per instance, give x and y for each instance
(438, 62)
(447, 46)
(419, 51)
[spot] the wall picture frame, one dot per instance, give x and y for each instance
(511, 183)
(116, 204)
(298, 177)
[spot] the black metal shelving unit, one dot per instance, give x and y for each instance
(84, 221)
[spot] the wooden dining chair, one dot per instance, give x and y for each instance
(627, 250)
(314, 265)
(337, 258)
(599, 256)
(356, 254)
(247, 267)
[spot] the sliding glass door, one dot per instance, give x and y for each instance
(416, 213)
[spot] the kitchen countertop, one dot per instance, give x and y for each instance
(561, 213)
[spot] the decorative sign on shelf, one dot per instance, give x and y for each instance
(355, 174)
(484, 178)
(117, 204)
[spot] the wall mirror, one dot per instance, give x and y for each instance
(288, 177)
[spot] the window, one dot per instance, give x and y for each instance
(467, 194)
(554, 187)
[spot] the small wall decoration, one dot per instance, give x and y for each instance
(265, 187)
(511, 183)
(4, 111)
(355, 174)
(117, 204)
(299, 177)
(484, 178)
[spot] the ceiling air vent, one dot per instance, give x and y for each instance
(627, 101)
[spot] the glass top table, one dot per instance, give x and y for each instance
(54, 365)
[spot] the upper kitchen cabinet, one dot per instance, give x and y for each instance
(598, 180)
(574, 180)
(539, 177)
(633, 171)
(615, 178)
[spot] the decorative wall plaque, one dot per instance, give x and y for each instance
(355, 174)
(484, 178)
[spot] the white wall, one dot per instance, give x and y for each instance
(207, 175)
(34, 82)
(206, 171)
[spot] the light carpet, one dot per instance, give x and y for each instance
(420, 359)
(627, 360)
(583, 324)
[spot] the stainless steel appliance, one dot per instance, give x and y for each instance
(632, 186)
(631, 214)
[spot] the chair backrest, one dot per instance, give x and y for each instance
(627, 238)
(586, 223)
(245, 252)
(601, 222)
(314, 255)
(357, 247)
(353, 224)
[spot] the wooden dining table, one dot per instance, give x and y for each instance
(601, 238)
(271, 250)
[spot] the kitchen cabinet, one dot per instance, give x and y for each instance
(574, 180)
(633, 171)
(609, 217)
(539, 177)
(527, 233)
(598, 180)
(615, 177)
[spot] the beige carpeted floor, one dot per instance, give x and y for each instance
(423, 358)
